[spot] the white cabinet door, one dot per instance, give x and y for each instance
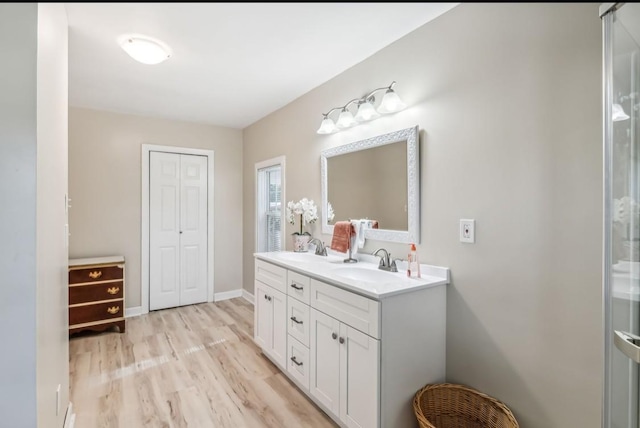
(263, 317)
(270, 323)
(278, 350)
(324, 380)
(359, 378)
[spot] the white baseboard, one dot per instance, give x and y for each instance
(133, 312)
(70, 417)
(226, 295)
(248, 297)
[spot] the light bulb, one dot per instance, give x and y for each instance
(345, 120)
(391, 103)
(366, 112)
(327, 126)
(618, 114)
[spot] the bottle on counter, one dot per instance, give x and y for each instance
(413, 266)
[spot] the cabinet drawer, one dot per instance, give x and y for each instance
(272, 275)
(95, 274)
(298, 361)
(357, 311)
(298, 286)
(298, 320)
(95, 292)
(96, 312)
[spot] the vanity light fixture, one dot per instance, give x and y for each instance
(618, 114)
(391, 103)
(145, 49)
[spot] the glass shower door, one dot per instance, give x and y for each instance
(621, 38)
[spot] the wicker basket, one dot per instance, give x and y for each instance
(447, 405)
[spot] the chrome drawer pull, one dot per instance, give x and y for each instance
(296, 361)
(293, 285)
(113, 290)
(113, 310)
(295, 320)
(95, 274)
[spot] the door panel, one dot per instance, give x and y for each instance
(164, 236)
(359, 357)
(178, 232)
(622, 198)
(263, 317)
(324, 381)
(193, 227)
(279, 348)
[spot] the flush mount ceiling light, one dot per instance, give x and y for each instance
(390, 103)
(145, 49)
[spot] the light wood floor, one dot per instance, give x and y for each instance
(194, 366)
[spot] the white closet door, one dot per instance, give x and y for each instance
(164, 236)
(178, 230)
(193, 228)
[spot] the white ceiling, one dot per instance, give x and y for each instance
(232, 64)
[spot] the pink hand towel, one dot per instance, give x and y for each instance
(342, 232)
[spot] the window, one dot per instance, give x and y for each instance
(269, 197)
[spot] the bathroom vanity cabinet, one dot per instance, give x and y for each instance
(359, 349)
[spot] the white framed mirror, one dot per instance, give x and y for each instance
(376, 179)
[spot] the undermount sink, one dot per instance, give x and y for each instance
(364, 274)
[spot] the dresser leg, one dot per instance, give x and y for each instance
(121, 326)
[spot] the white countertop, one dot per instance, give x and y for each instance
(327, 268)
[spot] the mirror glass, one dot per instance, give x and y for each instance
(375, 179)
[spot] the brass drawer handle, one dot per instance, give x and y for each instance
(113, 310)
(113, 290)
(95, 274)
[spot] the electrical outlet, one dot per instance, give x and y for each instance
(467, 231)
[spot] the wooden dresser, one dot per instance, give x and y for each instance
(96, 294)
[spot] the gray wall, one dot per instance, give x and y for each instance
(33, 255)
(508, 101)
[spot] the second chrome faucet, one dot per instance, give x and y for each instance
(385, 261)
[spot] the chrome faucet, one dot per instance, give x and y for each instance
(385, 261)
(321, 250)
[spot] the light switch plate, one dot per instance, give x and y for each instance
(468, 231)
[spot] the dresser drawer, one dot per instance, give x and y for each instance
(95, 292)
(272, 275)
(95, 274)
(357, 311)
(96, 312)
(298, 286)
(298, 361)
(298, 320)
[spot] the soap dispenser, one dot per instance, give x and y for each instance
(413, 266)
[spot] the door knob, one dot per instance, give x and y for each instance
(342, 340)
(334, 336)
